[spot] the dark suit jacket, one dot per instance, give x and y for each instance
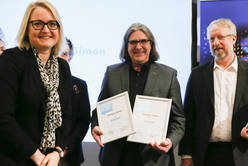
(161, 82)
(22, 103)
(199, 111)
(81, 120)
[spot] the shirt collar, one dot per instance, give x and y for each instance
(145, 66)
(232, 67)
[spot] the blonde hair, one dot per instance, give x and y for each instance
(22, 36)
(222, 22)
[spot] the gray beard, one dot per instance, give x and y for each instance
(217, 56)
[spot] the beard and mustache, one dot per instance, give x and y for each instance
(139, 51)
(218, 52)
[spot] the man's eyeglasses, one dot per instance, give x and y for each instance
(219, 37)
(39, 25)
(135, 42)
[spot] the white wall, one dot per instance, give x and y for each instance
(96, 28)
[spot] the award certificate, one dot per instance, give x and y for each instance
(115, 117)
(151, 117)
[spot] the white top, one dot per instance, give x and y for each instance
(224, 94)
(225, 82)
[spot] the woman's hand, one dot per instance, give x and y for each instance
(51, 159)
(37, 157)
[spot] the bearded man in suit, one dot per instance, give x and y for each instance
(216, 104)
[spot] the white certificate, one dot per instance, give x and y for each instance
(151, 117)
(115, 117)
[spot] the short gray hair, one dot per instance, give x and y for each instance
(124, 56)
(222, 22)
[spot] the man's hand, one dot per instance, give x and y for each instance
(187, 162)
(37, 157)
(244, 133)
(96, 133)
(163, 146)
(51, 159)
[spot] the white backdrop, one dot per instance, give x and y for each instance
(96, 29)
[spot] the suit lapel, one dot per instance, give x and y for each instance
(61, 80)
(241, 83)
(209, 79)
(36, 76)
(124, 75)
(151, 79)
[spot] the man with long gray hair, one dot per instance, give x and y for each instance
(139, 74)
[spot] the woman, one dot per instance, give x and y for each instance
(35, 90)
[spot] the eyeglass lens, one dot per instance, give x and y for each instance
(38, 24)
(135, 42)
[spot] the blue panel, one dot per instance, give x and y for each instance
(236, 10)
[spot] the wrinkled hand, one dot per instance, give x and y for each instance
(51, 159)
(163, 146)
(187, 162)
(96, 133)
(244, 133)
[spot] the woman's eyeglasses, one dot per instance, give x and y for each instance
(39, 25)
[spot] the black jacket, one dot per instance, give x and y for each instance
(81, 120)
(22, 103)
(199, 111)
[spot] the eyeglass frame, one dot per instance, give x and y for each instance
(219, 37)
(44, 23)
(142, 42)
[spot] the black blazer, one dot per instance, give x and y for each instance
(22, 103)
(161, 82)
(199, 111)
(81, 120)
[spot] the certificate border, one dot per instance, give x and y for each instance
(165, 126)
(126, 97)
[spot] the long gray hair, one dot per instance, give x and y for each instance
(124, 56)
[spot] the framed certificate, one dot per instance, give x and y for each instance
(151, 117)
(115, 117)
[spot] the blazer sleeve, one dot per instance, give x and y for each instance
(176, 125)
(189, 110)
(12, 136)
(103, 95)
(82, 118)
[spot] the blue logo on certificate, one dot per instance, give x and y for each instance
(106, 108)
